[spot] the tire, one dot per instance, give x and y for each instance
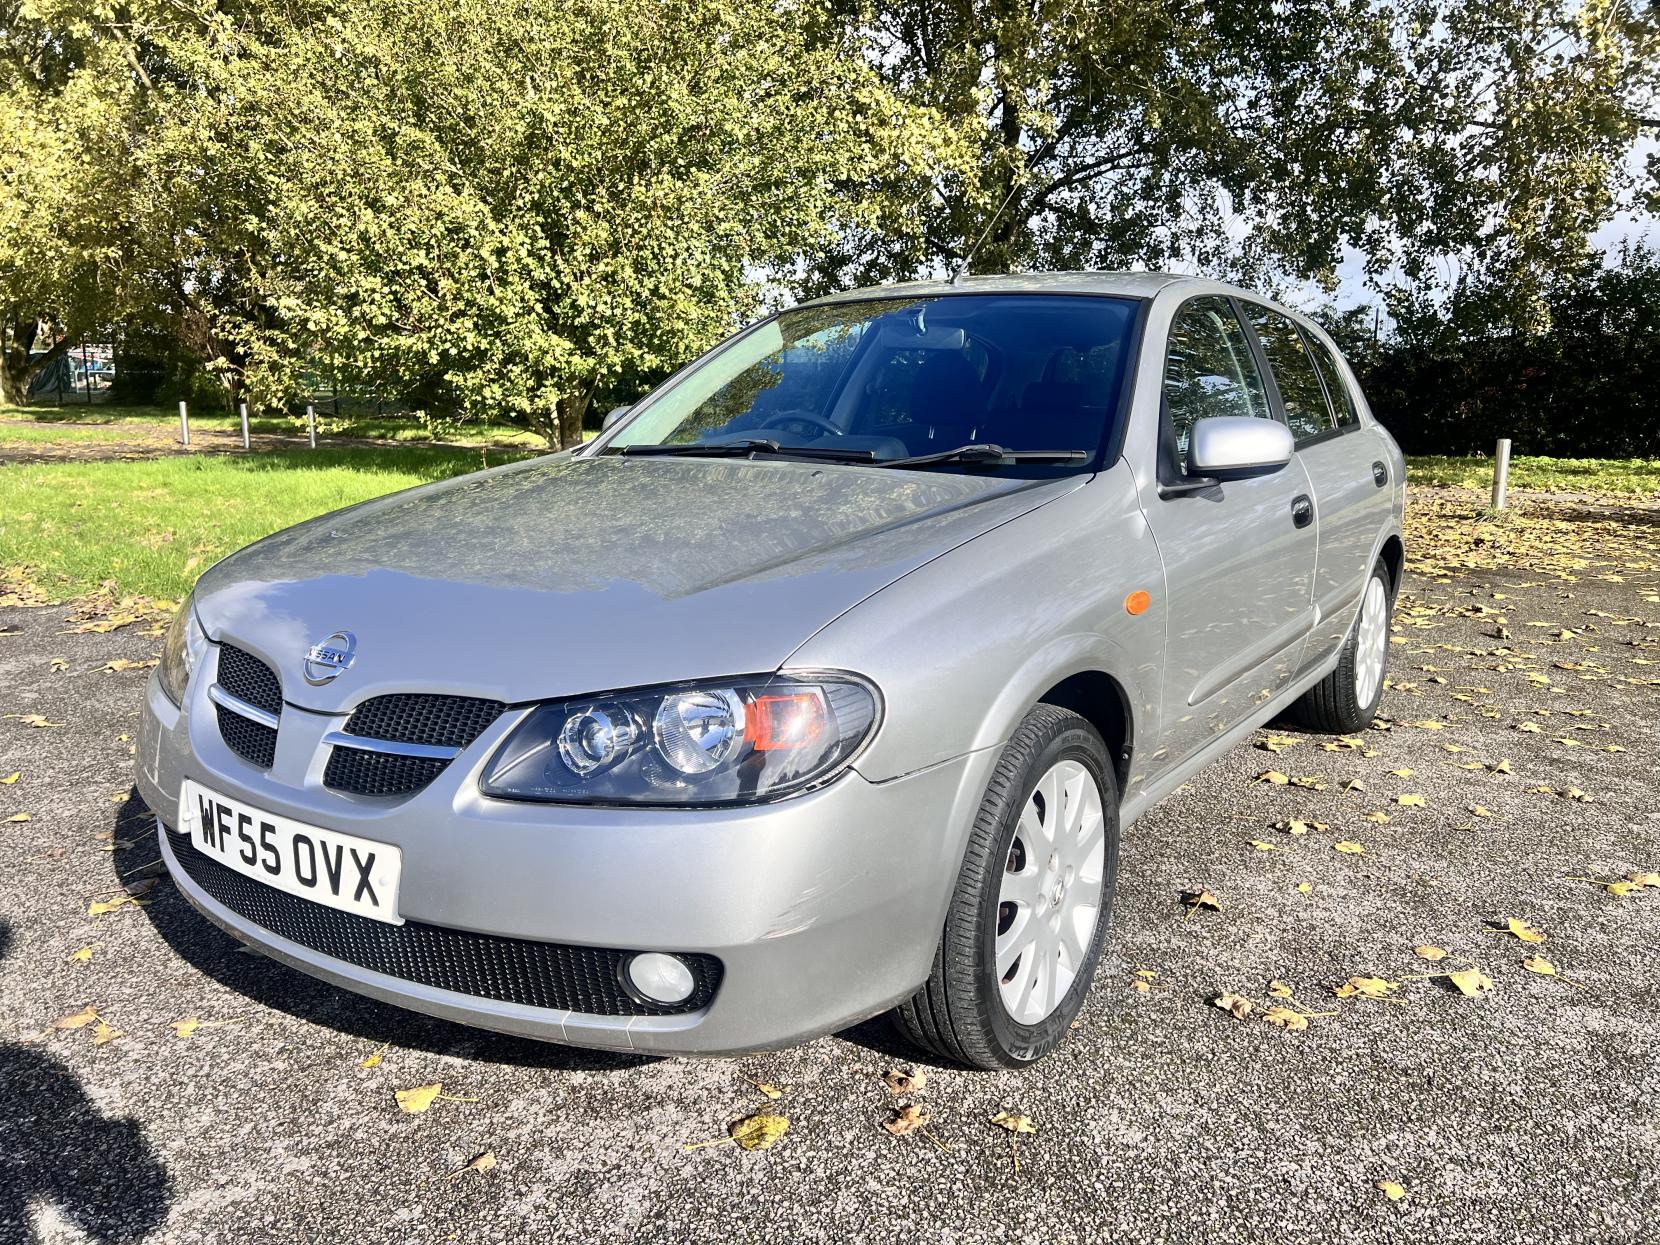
(1346, 700)
(966, 1012)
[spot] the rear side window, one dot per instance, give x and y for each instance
(1209, 370)
(1301, 393)
(1342, 401)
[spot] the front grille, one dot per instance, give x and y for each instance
(248, 678)
(405, 718)
(486, 966)
(362, 772)
(415, 718)
(253, 741)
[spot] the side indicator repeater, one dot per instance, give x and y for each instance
(1137, 602)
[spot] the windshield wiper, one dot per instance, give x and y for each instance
(982, 455)
(747, 447)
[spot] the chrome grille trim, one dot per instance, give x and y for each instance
(240, 707)
(430, 752)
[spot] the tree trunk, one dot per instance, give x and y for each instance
(17, 370)
(572, 407)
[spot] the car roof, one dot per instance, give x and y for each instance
(1121, 284)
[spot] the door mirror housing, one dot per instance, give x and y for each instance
(615, 413)
(1236, 447)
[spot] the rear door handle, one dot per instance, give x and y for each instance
(1302, 510)
(1380, 474)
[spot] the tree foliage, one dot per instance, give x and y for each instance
(1257, 140)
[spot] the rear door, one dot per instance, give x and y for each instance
(1238, 556)
(1345, 465)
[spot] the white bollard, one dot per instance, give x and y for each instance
(1501, 472)
(184, 423)
(311, 423)
(244, 408)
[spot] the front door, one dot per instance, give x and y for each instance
(1239, 557)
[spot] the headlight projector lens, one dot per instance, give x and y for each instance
(595, 738)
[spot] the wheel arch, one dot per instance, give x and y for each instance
(1104, 702)
(1393, 553)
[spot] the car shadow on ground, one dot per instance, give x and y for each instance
(208, 948)
(57, 1150)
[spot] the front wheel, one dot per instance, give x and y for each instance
(1029, 918)
(1346, 700)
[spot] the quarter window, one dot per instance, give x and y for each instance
(1210, 370)
(1342, 401)
(1306, 412)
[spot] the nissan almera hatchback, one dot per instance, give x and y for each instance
(820, 683)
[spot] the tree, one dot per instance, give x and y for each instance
(1254, 140)
(501, 213)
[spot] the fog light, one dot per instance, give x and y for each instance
(661, 978)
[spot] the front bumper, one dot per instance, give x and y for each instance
(823, 909)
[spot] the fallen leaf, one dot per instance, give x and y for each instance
(103, 1032)
(1236, 1005)
(11, 778)
(905, 1080)
(1304, 888)
(1279, 743)
(906, 1120)
(478, 1163)
(1394, 1192)
(1378, 816)
(758, 1132)
(373, 1061)
(1273, 776)
(1401, 773)
(1367, 988)
(20, 817)
(1285, 1018)
(75, 1020)
(1471, 982)
(414, 1101)
(82, 955)
(1411, 800)
(1522, 930)
(1429, 951)
(1263, 845)
(1014, 1123)
(1279, 989)
(33, 719)
(1538, 964)
(1350, 848)
(1644, 879)
(184, 1028)
(770, 1092)
(1197, 899)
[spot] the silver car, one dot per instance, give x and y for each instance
(821, 683)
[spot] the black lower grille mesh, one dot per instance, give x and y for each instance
(248, 678)
(378, 773)
(487, 966)
(252, 741)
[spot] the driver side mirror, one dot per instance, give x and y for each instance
(1237, 447)
(612, 416)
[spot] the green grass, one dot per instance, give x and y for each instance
(386, 427)
(59, 434)
(152, 526)
(1625, 476)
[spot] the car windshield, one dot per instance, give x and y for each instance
(894, 378)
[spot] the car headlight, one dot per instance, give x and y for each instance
(736, 741)
(181, 652)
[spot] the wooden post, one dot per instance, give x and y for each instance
(311, 423)
(244, 409)
(184, 423)
(1501, 472)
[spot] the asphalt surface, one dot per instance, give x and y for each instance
(1529, 1115)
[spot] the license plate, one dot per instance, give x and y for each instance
(325, 866)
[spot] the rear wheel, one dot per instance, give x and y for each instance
(1029, 918)
(1346, 700)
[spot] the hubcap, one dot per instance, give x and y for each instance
(1371, 642)
(1050, 899)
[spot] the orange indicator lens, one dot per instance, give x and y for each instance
(794, 720)
(1137, 602)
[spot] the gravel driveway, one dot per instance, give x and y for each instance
(1526, 1115)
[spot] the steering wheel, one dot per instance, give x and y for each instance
(803, 419)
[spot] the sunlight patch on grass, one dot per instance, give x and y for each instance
(1624, 476)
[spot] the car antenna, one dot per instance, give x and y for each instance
(962, 269)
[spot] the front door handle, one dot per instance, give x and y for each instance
(1380, 474)
(1302, 510)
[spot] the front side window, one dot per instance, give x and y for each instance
(1301, 394)
(1342, 401)
(903, 377)
(1209, 369)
